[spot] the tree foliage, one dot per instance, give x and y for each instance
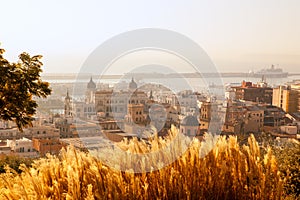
(288, 156)
(19, 83)
(14, 163)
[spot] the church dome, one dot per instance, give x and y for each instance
(190, 121)
(91, 84)
(132, 84)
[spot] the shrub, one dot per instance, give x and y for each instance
(14, 163)
(288, 155)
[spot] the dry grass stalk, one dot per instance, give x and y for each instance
(227, 172)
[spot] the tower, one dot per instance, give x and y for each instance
(151, 95)
(90, 92)
(68, 106)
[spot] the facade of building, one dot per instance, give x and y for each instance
(135, 120)
(295, 86)
(289, 129)
(273, 116)
(44, 146)
(9, 134)
(76, 128)
(22, 147)
(254, 121)
(190, 126)
(114, 103)
(83, 110)
(251, 92)
(211, 117)
(205, 115)
(286, 98)
(242, 118)
(4, 149)
(43, 132)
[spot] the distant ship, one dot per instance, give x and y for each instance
(270, 73)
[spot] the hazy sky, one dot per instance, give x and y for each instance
(237, 35)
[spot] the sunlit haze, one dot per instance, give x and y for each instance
(238, 35)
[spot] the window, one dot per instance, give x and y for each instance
(188, 132)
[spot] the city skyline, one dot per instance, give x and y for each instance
(150, 99)
(236, 36)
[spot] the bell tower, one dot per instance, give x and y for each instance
(68, 106)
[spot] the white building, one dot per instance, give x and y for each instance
(289, 129)
(83, 109)
(43, 132)
(22, 147)
(9, 133)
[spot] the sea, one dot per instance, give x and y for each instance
(180, 84)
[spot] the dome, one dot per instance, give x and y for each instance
(190, 121)
(132, 84)
(91, 84)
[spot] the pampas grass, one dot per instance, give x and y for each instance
(228, 171)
